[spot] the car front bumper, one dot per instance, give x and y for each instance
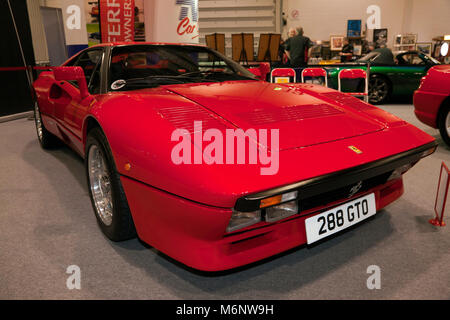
(195, 234)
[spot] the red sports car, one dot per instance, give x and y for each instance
(432, 100)
(208, 164)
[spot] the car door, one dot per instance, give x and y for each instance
(90, 61)
(68, 105)
(411, 68)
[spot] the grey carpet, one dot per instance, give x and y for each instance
(47, 224)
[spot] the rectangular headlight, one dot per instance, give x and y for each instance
(281, 211)
(241, 220)
(399, 171)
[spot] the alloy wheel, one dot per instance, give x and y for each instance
(100, 184)
(447, 123)
(379, 90)
(38, 121)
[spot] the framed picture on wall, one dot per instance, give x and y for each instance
(407, 47)
(437, 50)
(380, 37)
(336, 43)
(353, 28)
(409, 39)
(424, 47)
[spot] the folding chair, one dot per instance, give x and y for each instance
(314, 73)
(282, 75)
(355, 74)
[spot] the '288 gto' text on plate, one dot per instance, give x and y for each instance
(339, 218)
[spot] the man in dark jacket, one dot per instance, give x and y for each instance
(385, 57)
(297, 49)
(347, 51)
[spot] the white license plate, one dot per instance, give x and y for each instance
(339, 218)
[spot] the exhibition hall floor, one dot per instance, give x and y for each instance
(47, 224)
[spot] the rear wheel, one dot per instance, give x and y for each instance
(379, 89)
(46, 139)
(444, 124)
(105, 189)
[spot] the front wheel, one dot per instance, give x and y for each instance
(444, 124)
(379, 89)
(105, 189)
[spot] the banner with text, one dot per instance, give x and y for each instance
(117, 20)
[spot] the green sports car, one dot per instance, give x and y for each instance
(399, 77)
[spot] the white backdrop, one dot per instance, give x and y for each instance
(174, 21)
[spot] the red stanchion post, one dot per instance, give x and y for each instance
(441, 197)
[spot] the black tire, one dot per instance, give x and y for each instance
(442, 125)
(121, 226)
(379, 89)
(46, 139)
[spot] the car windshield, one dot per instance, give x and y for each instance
(430, 58)
(145, 66)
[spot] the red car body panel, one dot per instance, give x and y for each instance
(200, 182)
(433, 91)
(184, 210)
(250, 104)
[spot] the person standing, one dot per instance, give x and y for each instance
(347, 51)
(292, 33)
(385, 57)
(297, 49)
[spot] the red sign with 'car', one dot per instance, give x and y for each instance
(117, 20)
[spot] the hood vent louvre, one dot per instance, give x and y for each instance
(183, 117)
(289, 113)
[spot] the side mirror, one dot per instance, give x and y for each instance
(264, 68)
(72, 74)
(262, 71)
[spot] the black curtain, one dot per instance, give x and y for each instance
(15, 94)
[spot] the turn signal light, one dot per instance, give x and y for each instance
(426, 153)
(272, 201)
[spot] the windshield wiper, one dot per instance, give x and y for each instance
(214, 75)
(156, 81)
(147, 82)
(186, 76)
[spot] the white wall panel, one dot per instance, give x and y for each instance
(322, 18)
(429, 18)
(37, 32)
(217, 4)
(236, 16)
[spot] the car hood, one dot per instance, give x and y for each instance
(301, 118)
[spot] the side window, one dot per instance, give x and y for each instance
(94, 84)
(90, 62)
(410, 59)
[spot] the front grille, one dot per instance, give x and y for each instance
(341, 193)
